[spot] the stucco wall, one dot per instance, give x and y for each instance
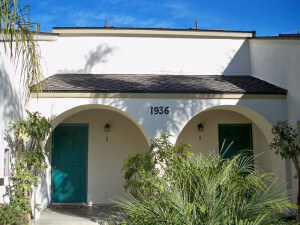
(277, 61)
(146, 55)
(181, 110)
(11, 104)
(259, 111)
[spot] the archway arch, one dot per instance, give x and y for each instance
(255, 117)
(61, 117)
(261, 122)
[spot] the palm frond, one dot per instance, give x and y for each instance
(210, 190)
(18, 36)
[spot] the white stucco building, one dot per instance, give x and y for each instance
(148, 82)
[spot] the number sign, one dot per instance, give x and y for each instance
(159, 110)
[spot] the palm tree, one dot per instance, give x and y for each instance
(18, 36)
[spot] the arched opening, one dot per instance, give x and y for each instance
(58, 119)
(107, 148)
(207, 140)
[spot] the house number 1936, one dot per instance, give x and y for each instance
(159, 110)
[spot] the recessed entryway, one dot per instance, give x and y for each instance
(107, 150)
(207, 141)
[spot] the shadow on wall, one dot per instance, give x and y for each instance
(43, 187)
(238, 62)
(10, 100)
(282, 168)
(44, 191)
(10, 108)
(95, 56)
(181, 111)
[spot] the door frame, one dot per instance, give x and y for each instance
(83, 125)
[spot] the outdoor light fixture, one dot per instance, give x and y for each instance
(200, 127)
(107, 127)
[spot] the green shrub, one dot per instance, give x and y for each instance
(15, 212)
(161, 154)
(207, 190)
(286, 143)
(29, 161)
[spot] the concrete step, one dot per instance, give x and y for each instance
(75, 223)
(86, 216)
(66, 223)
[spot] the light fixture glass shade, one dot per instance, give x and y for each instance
(200, 127)
(107, 127)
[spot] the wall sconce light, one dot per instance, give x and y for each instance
(107, 127)
(200, 127)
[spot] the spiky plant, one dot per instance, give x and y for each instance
(209, 191)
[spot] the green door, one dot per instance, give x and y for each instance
(69, 169)
(240, 135)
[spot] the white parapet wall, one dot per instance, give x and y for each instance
(277, 61)
(146, 55)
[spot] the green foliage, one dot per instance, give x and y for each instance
(205, 190)
(17, 33)
(161, 154)
(13, 213)
(29, 162)
(286, 140)
(286, 143)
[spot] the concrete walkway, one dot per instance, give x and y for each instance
(87, 215)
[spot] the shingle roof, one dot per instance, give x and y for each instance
(132, 83)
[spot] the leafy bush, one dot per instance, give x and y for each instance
(286, 143)
(138, 167)
(13, 214)
(206, 190)
(29, 161)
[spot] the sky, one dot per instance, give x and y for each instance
(266, 17)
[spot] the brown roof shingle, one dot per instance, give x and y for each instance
(133, 83)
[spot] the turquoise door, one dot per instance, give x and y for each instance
(69, 164)
(240, 135)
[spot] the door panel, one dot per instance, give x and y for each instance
(69, 164)
(239, 136)
(76, 154)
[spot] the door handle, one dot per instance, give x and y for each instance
(54, 165)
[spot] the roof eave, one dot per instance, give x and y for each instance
(144, 95)
(151, 32)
